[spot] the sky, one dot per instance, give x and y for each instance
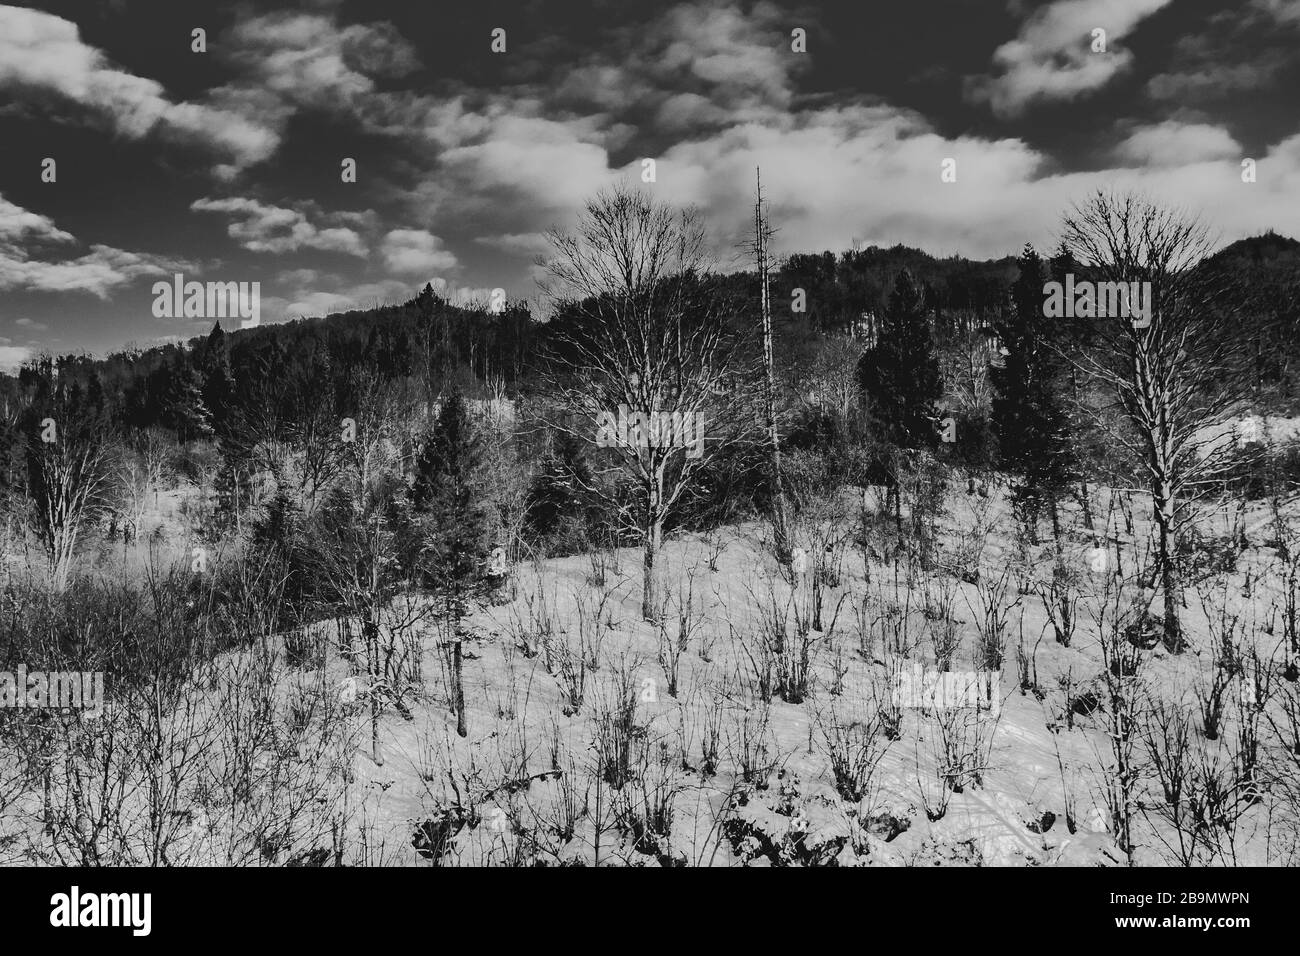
(226, 164)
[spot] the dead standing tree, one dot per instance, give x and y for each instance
(645, 361)
(1171, 371)
(762, 238)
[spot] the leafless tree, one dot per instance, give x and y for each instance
(643, 331)
(1171, 373)
(70, 476)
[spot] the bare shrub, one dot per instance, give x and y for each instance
(853, 740)
(750, 744)
(614, 714)
(992, 611)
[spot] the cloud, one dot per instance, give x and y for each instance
(41, 51)
(695, 62)
(99, 271)
(517, 162)
(309, 60)
(288, 62)
(518, 159)
(13, 356)
(1216, 78)
(524, 245)
(1283, 11)
(553, 163)
(1240, 50)
(1052, 58)
(464, 296)
(308, 302)
(19, 225)
(275, 229)
(878, 179)
(1172, 143)
(416, 252)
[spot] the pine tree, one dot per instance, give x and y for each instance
(184, 410)
(900, 377)
(900, 373)
(218, 381)
(449, 495)
(1028, 417)
(557, 496)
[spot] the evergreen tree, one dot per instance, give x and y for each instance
(900, 377)
(450, 497)
(557, 496)
(900, 373)
(218, 380)
(1028, 417)
(184, 410)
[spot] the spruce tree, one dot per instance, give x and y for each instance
(557, 495)
(184, 410)
(1028, 417)
(900, 373)
(449, 495)
(900, 377)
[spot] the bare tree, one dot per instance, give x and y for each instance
(140, 472)
(1171, 371)
(646, 362)
(358, 548)
(762, 237)
(67, 479)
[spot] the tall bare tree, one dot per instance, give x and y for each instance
(644, 349)
(762, 238)
(1174, 372)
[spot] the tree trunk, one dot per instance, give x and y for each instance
(459, 690)
(370, 634)
(650, 579)
(780, 527)
(1167, 557)
(1054, 504)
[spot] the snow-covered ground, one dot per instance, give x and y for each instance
(1034, 769)
(718, 776)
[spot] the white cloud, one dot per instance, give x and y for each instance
(275, 229)
(309, 302)
(1172, 143)
(416, 252)
(12, 356)
(1052, 58)
(309, 60)
(461, 295)
(525, 245)
(99, 271)
(18, 224)
(878, 180)
(46, 52)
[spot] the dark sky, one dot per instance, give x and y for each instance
(225, 165)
